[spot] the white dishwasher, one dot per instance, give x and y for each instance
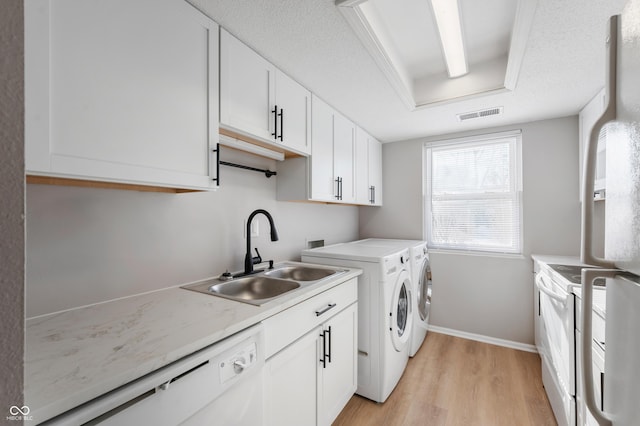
(219, 385)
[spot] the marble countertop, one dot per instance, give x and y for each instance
(74, 356)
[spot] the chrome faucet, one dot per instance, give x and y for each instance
(250, 260)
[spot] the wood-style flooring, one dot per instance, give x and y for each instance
(454, 381)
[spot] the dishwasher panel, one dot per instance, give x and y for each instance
(221, 384)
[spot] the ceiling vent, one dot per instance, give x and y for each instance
(479, 114)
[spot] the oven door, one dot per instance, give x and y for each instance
(557, 331)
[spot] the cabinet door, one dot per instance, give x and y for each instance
(294, 103)
(363, 192)
(116, 93)
(343, 156)
(291, 383)
(375, 171)
(246, 90)
(321, 170)
(338, 378)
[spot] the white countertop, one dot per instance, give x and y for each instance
(76, 355)
(599, 293)
(558, 260)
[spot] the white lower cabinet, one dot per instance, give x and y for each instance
(338, 374)
(311, 379)
(291, 384)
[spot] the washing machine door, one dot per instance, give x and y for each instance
(400, 312)
(424, 290)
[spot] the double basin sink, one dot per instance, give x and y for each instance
(264, 286)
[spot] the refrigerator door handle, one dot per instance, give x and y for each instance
(584, 348)
(591, 151)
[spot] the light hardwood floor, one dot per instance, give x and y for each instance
(454, 381)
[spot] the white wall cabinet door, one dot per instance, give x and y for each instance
(375, 171)
(338, 377)
(291, 383)
(247, 81)
(116, 93)
(294, 115)
(368, 169)
(343, 158)
(323, 187)
(259, 101)
(363, 192)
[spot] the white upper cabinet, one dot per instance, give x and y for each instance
(375, 171)
(294, 115)
(344, 139)
(121, 91)
(323, 187)
(345, 165)
(368, 169)
(259, 101)
(247, 81)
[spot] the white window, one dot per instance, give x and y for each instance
(473, 193)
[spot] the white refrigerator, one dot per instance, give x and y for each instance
(621, 120)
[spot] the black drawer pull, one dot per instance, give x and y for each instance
(325, 309)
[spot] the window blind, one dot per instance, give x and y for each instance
(473, 195)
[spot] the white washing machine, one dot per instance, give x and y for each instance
(420, 277)
(385, 314)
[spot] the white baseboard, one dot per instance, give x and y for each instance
(485, 339)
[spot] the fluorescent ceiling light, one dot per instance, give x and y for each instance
(447, 16)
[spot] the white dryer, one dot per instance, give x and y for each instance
(420, 277)
(384, 311)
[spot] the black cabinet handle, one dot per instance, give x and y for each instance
(340, 188)
(329, 354)
(325, 309)
(601, 390)
(281, 124)
(275, 122)
(338, 182)
(217, 151)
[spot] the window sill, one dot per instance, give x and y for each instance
(515, 256)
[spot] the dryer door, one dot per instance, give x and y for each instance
(424, 290)
(400, 312)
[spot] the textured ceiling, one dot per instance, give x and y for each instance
(563, 66)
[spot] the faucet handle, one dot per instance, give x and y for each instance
(257, 259)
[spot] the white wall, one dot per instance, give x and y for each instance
(12, 208)
(489, 295)
(88, 245)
